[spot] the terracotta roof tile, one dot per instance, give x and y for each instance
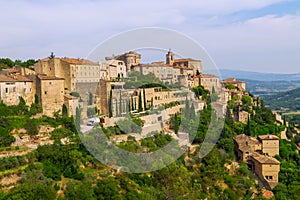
(268, 137)
(264, 159)
(42, 77)
(78, 61)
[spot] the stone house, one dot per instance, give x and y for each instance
(248, 149)
(208, 81)
(50, 91)
(13, 86)
(129, 58)
(270, 144)
(266, 168)
(241, 85)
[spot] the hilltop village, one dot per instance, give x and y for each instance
(110, 90)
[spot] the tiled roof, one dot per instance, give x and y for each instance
(268, 137)
(78, 61)
(14, 78)
(184, 60)
(245, 142)
(232, 81)
(207, 76)
(229, 79)
(42, 77)
(264, 159)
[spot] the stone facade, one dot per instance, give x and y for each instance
(248, 150)
(71, 103)
(208, 81)
(50, 91)
(14, 86)
(130, 59)
(72, 70)
(116, 68)
(241, 85)
(266, 168)
(270, 144)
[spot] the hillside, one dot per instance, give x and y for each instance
(225, 73)
(284, 100)
(270, 87)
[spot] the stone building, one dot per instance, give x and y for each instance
(241, 116)
(248, 150)
(50, 91)
(240, 85)
(245, 146)
(116, 68)
(129, 58)
(184, 62)
(270, 144)
(266, 168)
(14, 86)
(208, 81)
(73, 71)
(71, 103)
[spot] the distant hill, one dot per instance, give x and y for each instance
(270, 87)
(289, 100)
(225, 73)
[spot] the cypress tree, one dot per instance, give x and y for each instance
(128, 106)
(110, 104)
(187, 108)
(77, 119)
(176, 124)
(132, 104)
(64, 111)
(117, 110)
(248, 126)
(140, 103)
(120, 103)
(144, 95)
(192, 112)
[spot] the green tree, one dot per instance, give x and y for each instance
(140, 102)
(77, 119)
(32, 127)
(91, 99)
(144, 98)
(64, 110)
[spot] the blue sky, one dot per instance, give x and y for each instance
(251, 35)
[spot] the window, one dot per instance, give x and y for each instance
(6, 90)
(51, 83)
(14, 89)
(45, 92)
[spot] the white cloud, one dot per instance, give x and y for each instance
(267, 43)
(72, 28)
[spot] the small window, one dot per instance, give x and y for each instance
(6, 90)
(14, 89)
(45, 92)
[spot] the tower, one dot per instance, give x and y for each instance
(170, 57)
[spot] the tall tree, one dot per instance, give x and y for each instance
(64, 110)
(110, 104)
(77, 119)
(144, 95)
(140, 102)
(90, 101)
(120, 103)
(117, 110)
